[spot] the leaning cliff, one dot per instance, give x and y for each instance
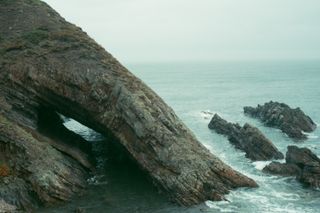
(49, 65)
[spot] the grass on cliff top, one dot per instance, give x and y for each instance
(27, 39)
(36, 36)
(52, 40)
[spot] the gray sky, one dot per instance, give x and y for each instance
(199, 30)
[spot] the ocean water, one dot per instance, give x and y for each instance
(224, 88)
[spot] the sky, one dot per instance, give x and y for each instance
(138, 31)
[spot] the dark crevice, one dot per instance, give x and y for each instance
(50, 124)
(103, 150)
(114, 169)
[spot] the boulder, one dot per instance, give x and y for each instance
(293, 122)
(300, 162)
(48, 67)
(247, 138)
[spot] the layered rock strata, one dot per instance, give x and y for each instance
(293, 122)
(247, 138)
(48, 65)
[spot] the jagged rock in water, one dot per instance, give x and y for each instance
(247, 138)
(48, 65)
(282, 169)
(300, 162)
(293, 122)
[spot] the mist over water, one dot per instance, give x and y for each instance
(177, 30)
(223, 88)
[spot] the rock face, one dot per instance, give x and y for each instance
(247, 138)
(300, 162)
(37, 170)
(48, 65)
(293, 122)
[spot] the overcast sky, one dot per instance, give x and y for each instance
(199, 30)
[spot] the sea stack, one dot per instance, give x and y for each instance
(247, 138)
(293, 122)
(301, 163)
(50, 66)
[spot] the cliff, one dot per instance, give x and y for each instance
(49, 66)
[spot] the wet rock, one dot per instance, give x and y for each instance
(282, 169)
(293, 122)
(50, 65)
(308, 162)
(300, 162)
(247, 138)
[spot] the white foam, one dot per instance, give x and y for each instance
(311, 135)
(221, 206)
(96, 180)
(261, 164)
(287, 196)
(206, 114)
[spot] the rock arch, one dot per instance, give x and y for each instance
(46, 61)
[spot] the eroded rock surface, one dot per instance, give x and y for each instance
(36, 169)
(300, 162)
(293, 122)
(247, 138)
(48, 63)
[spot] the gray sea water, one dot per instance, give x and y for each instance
(223, 88)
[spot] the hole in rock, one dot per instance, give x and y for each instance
(67, 134)
(117, 184)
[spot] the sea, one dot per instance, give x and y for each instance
(196, 91)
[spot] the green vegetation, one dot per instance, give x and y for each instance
(36, 36)
(11, 45)
(28, 39)
(65, 36)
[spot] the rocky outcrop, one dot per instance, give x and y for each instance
(282, 169)
(300, 162)
(293, 122)
(50, 66)
(247, 138)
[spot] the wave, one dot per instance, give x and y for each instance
(261, 164)
(206, 114)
